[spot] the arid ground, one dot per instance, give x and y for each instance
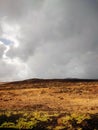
(79, 96)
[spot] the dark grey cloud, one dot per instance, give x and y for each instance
(49, 38)
(15, 10)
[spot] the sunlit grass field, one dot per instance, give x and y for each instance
(49, 105)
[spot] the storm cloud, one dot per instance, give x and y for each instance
(48, 39)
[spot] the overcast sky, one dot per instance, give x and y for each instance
(48, 39)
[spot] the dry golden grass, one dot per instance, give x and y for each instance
(78, 97)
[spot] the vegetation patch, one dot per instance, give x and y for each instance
(47, 121)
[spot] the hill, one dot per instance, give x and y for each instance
(49, 104)
(78, 95)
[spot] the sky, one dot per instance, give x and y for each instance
(48, 39)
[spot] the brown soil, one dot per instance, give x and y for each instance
(50, 95)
